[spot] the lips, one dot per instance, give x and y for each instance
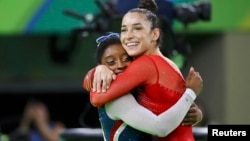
(131, 44)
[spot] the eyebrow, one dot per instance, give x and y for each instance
(109, 56)
(135, 24)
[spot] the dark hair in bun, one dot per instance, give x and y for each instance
(149, 5)
(149, 9)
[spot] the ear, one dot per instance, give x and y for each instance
(155, 34)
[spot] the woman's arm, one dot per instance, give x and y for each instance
(130, 112)
(193, 116)
(139, 72)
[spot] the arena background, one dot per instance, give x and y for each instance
(30, 68)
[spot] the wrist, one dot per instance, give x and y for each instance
(191, 93)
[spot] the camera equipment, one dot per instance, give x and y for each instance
(99, 22)
(188, 13)
(111, 10)
(183, 12)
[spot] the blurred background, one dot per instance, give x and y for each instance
(47, 46)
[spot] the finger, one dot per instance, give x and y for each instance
(191, 116)
(98, 85)
(191, 71)
(104, 84)
(192, 110)
(104, 87)
(98, 82)
(190, 113)
(194, 105)
(190, 119)
(114, 76)
(94, 84)
(187, 123)
(108, 83)
(195, 74)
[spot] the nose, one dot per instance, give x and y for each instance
(129, 34)
(121, 64)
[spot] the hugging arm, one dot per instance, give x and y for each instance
(130, 112)
(133, 77)
(193, 116)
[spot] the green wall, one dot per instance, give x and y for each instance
(47, 17)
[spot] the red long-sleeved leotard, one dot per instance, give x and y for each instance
(162, 86)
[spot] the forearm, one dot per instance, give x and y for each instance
(127, 109)
(98, 100)
(173, 116)
(119, 87)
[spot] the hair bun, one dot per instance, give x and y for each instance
(149, 5)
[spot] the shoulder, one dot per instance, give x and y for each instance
(142, 66)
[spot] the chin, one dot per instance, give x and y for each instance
(132, 53)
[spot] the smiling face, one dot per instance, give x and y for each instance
(137, 37)
(116, 58)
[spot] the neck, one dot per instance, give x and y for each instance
(153, 51)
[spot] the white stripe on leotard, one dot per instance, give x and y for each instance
(119, 131)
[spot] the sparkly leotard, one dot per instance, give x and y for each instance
(116, 130)
(161, 84)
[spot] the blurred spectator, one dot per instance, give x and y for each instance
(36, 125)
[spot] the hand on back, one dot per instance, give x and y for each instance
(193, 117)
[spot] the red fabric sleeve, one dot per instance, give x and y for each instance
(140, 72)
(88, 80)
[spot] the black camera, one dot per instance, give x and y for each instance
(189, 13)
